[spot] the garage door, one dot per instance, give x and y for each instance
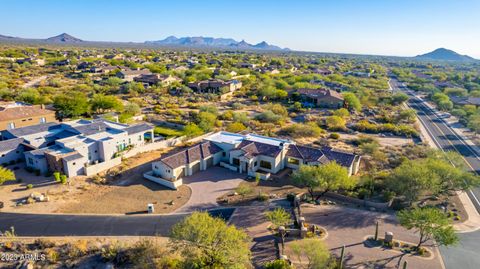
(195, 168)
(210, 162)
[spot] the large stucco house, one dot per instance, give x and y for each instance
(72, 148)
(251, 154)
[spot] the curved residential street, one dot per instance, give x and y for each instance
(95, 225)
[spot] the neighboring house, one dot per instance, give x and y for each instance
(323, 98)
(130, 75)
(153, 79)
(62, 62)
(216, 86)
(322, 71)
(460, 100)
(247, 65)
(249, 154)
(70, 147)
(15, 115)
(11, 150)
(332, 85)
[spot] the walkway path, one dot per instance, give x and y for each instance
(34, 82)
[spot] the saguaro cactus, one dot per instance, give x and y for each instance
(342, 256)
(405, 265)
(376, 231)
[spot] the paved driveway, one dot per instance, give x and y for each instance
(207, 186)
(349, 226)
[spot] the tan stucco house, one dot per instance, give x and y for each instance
(251, 154)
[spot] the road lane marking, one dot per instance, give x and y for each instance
(441, 148)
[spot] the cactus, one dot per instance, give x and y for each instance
(376, 231)
(405, 265)
(342, 256)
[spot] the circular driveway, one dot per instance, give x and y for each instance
(208, 185)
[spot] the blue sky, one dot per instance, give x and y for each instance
(385, 27)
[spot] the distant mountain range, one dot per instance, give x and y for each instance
(171, 41)
(443, 54)
(211, 42)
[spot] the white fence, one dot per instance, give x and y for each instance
(167, 183)
(99, 167)
(153, 146)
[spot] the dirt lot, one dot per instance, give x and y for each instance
(126, 193)
(277, 187)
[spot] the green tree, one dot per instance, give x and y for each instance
(430, 223)
(474, 123)
(411, 179)
(72, 105)
(352, 101)
(236, 127)
(208, 242)
(278, 217)
(206, 121)
(324, 178)
(101, 103)
(132, 109)
(408, 115)
(314, 251)
(399, 98)
(6, 175)
(191, 130)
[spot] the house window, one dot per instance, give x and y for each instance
(168, 171)
(255, 164)
(129, 141)
(3, 155)
(11, 125)
(30, 161)
(140, 138)
(224, 154)
(43, 120)
(74, 163)
(236, 161)
(293, 161)
(265, 164)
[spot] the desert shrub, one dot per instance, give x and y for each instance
(56, 175)
(244, 190)
(334, 136)
(44, 243)
(63, 179)
(303, 130)
(262, 197)
(52, 255)
(29, 186)
(279, 217)
(278, 264)
(77, 249)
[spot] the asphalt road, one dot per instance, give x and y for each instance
(445, 138)
(465, 254)
(96, 225)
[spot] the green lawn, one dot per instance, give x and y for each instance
(167, 132)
